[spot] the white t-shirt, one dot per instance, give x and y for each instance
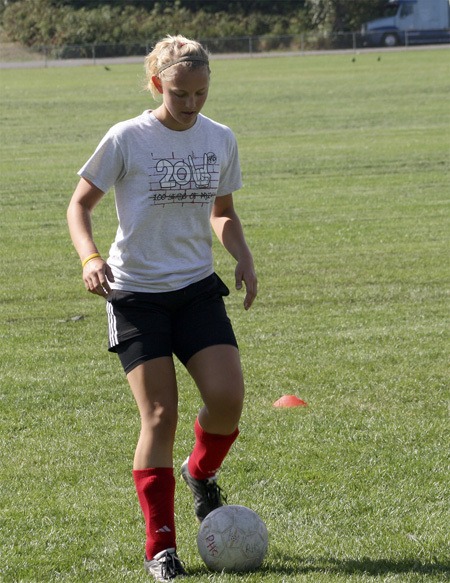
(165, 184)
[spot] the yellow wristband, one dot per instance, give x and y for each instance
(89, 257)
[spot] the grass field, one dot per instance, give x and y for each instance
(346, 206)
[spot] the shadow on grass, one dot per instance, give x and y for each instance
(287, 565)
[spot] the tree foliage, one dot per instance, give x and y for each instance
(342, 15)
(44, 22)
(63, 22)
(241, 6)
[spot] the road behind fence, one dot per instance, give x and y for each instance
(11, 55)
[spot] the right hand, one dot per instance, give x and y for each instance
(96, 276)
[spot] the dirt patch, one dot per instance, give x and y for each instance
(14, 52)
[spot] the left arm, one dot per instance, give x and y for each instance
(228, 228)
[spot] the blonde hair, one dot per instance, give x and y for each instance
(170, 51)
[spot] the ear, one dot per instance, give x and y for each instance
(157, 83)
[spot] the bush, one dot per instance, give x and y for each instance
(34, 22)
(39, 22)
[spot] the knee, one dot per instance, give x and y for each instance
(236, 401)
(160, 418)
(227, 403)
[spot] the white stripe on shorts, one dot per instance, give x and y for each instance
(112, 325)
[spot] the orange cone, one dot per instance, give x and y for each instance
(290, 401)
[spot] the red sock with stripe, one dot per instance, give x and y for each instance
(155, 488)
(209, 451)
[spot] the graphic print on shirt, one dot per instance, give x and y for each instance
(175, 180)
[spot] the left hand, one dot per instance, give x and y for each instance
(245, 272)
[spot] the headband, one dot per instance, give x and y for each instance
(183, 60)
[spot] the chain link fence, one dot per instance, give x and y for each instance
(245, 45)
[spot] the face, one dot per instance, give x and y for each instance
(184, 95)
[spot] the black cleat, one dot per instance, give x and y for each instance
(207, 494)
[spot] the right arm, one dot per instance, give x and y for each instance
(96, 273)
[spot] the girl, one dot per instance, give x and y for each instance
(174, 172)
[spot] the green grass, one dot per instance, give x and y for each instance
(346, 206)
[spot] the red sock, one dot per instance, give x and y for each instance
(209, 452)
(155, 488)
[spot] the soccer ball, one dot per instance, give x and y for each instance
(232, 538)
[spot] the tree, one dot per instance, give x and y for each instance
(342, 15)
(230, 6)
(4, 4)
(282, 7)
(77, 4)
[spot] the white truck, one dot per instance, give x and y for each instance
(409, 22)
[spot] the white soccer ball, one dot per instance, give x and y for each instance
(232, 538)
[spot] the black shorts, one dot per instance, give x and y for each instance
(143, 325)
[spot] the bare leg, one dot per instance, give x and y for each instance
(153, 384)
(217, 372)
